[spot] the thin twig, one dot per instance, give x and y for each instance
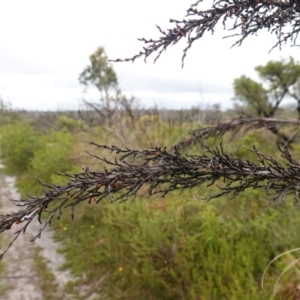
(161, 171)
(281, 18)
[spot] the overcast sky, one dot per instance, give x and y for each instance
(44, 46)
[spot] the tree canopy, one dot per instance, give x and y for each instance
(279, 79)
(99, 73)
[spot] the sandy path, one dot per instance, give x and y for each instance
(20, 274)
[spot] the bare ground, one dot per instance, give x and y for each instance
(19, 273)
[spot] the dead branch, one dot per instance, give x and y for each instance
(162, 172)
(281, 18)
(234, 126)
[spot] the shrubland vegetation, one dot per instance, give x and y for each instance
(176, 247)
(172, 245)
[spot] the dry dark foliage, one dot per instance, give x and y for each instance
(162, 172)
(281, 18)
(235, 126)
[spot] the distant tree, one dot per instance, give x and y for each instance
(280, 79)
(294, 92)
(252, 94)
(101, 75)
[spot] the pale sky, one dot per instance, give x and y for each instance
(45, 45)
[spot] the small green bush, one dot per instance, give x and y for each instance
(19, 142)
(70, 124)
(178, 248)
(52, 156)
(173, 248)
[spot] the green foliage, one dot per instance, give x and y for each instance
(30, 154)
(173, 248)
(99, 73)
(281, 79)
(280, 74)
(251, 93)
(242, 145)
(52, 156)
(69, 124)
(178, 248)
(19, 142)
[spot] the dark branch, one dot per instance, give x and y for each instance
(162, 172)
(281, 18)
(233, 127)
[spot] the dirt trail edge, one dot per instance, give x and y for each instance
(20, 273)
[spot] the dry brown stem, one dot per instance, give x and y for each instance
(281, 18)
(234, 126)
(161, 171)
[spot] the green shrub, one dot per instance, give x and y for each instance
(52, 156)
(19, 142)
(70, 124)
(172, 248)
(178, 248)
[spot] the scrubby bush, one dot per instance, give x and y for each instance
(29, 154)
(19, 142)
(70, 124)
(52, 156)
(179, 248)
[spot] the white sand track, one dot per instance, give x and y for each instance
(20, 273)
